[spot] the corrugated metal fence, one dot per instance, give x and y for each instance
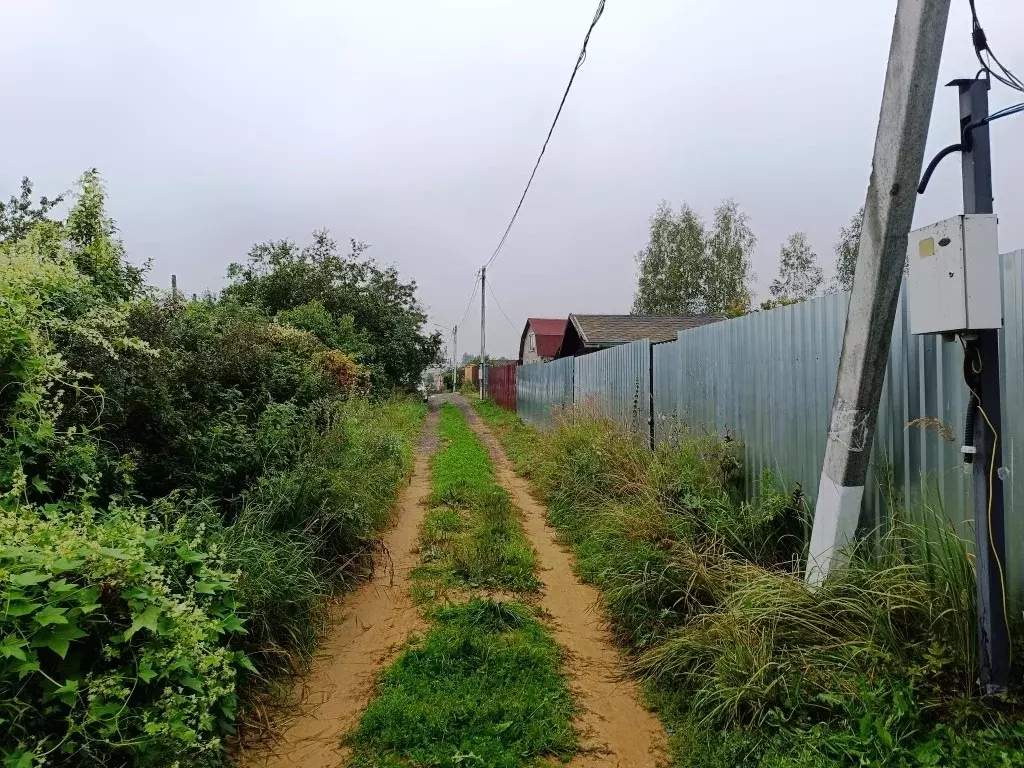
(543, 388)
(617, 383)
(767, 380)
(501, 385)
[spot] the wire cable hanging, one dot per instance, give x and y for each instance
(498, 304)
(579, 63)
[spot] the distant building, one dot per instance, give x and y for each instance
(540, 340)
(589, 333)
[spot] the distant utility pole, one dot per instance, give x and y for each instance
(982, 370)
(483, 332)
(455, 356)
(910, 82)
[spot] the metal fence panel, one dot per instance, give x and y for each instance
(617, 382)
(666, 384)
(501, 385)
(542, 388)
(768, 379)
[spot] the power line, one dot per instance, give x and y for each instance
(579, 63)
(498, 303)
(472, 296)
(978, 38)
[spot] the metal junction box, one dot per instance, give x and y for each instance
(953, 281)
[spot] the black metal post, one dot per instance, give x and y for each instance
(982, 363)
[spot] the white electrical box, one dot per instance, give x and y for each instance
(953, 282)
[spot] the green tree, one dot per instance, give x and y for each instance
(846, 252)
(729, 271)
(369, 306)
(688, 268)
(800, 276)
(20, 213)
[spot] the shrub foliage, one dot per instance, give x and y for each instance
(182, 483)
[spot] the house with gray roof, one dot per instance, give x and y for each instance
(589, 333)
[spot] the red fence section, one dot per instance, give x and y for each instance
(501, 385)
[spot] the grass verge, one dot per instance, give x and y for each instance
(472, 537)
(484, 685)
(747, 665)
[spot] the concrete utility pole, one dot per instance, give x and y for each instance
(910, 81)
(483, 333)
(455, 357)
(982, 352)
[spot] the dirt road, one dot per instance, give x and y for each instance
(372, 624)
(614, 729)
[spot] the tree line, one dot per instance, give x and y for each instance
(692, 266)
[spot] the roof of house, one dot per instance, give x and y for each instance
(607, 330)
(548, 332)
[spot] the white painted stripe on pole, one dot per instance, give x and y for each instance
(835, 519)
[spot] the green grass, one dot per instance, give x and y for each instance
(748, 665)
(482, 687)
(518, 440)
(472, 536)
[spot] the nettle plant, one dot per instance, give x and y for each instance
(113, 640)
(115, 627)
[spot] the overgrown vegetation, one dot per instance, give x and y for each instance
(472, 537)
(745, 662)
(484, 686)
(182, 484)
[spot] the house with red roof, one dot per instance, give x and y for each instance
(541, 339)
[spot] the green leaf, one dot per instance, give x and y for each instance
(27, 666)
(67, 693)
(57, 639)
(245, 662)
(193, 682)
(11, 648)
(19, 759)
(62, 564)
(62, 586)
(146, 672)
(231, 623)
(190, 556)
(28, 578)
(88, 596)
(117, 554)
(51, 615)
(145, 620)
(21, 607)
(207, 587)
(41, 485)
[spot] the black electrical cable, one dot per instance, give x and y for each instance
(981, 46)
(927, 176)
(966, 141)
(579, 63)
(498, 304)
(469, 304)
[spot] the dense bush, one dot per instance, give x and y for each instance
(182, 487)
(114, 640)
(752, 666)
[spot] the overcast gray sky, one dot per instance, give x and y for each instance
(413, 126)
